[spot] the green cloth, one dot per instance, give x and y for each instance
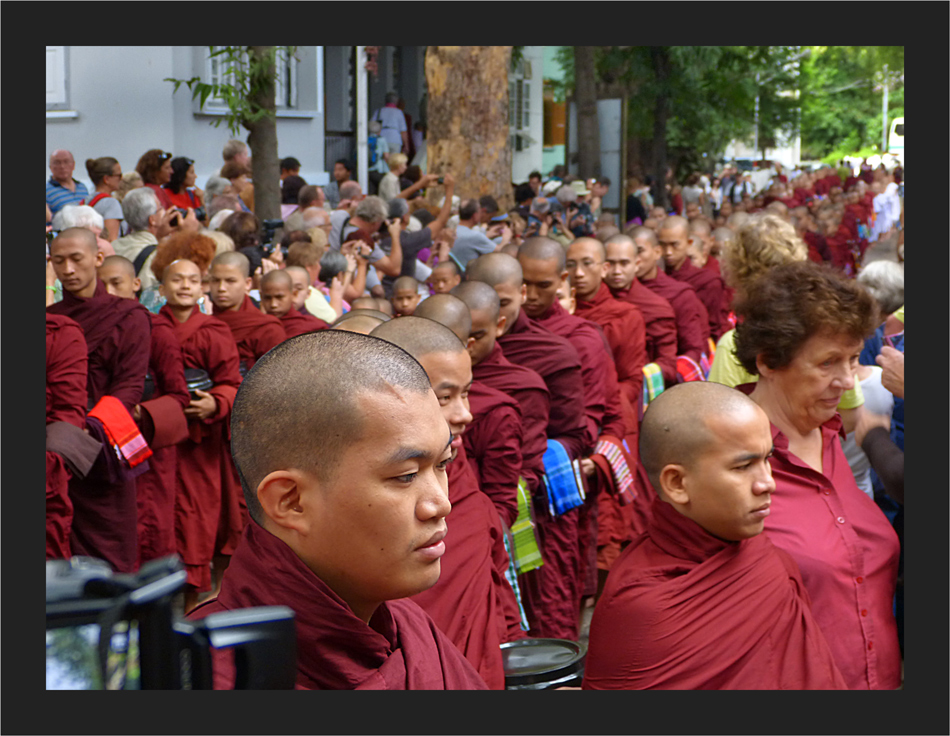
(652, 382)
(527, 554)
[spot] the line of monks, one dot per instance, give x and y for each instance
(538, 362)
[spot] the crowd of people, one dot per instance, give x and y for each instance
(432, 430)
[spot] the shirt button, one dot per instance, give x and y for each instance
(864, 612)
(841, 520)
(859, 580)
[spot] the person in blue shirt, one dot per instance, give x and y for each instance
(62, 189)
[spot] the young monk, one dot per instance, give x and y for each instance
(160, 418)
(466, 602)
(207, 515)
(405, 296)
(300, 278)
(254, 333)
(703, 600)
(277, 300)
(344, 534)
(117, 341)
(363, 321)
(445, 276)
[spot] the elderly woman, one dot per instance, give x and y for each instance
(106, 175)
(80, 215)
(801, 331)
(155, 167)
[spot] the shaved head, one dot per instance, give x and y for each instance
(299, 270)
(119, 263)
(543, 249)
(448, 265)
(364, 302)
(233, 259)
(477, 295)
(674, 222)
(448, 310)
(647, 234)
(699, 226)
(80, 234)
(494, 269)
(675, 425)
(272, 430)
(408, 283)
(419, 337)
(360, 320)
(279, 277)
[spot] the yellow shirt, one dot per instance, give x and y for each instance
(727, 370)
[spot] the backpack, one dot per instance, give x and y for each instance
(100, 196)
(373, 156)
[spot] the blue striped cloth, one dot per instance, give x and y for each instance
(562, 480)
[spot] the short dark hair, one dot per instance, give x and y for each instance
(345, 163)
(792, 302)
(468, 209)
(605, 180)
(523, 193)
(289, 164)
(534, 175)
(488, 203)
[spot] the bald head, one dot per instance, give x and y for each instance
(644, 233)
(542, 249)
(118, 264)
(494, 269)
(699, 226)
(674, 223)
(419, 337)
(448, 310)
(277, 278)
(77, 234)
(271, 429)
(233, 259)
(408, 283)
(363, 321)
(477, 295)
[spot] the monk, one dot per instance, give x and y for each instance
(363, 321)
(445, 276)
(470, 580)
(674, 237)
(300, 278)
(69, 451)
(161, 418)
(116, 331)
(692, 322)
(277, 300)
(376, 303)
(208, 515)
(344, 535)
(623, 261)
(406, 296)
(703, 600)
(253, 332)
(552, 593)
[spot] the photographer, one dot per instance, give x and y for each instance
(546, 219)
(470, 243)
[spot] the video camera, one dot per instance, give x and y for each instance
(107, 631)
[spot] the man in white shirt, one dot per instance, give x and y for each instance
(393, 120)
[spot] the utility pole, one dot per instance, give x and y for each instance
(884, 117)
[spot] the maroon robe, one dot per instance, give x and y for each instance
(709, 288)
(493, 443)
(117, 342)
(164, 425)
(254, 332)
(692, 320)
(296, 323)
(684, 610)
(466, 602)
(660, 321)
(66, 365)
(209, 498)
(400, 649)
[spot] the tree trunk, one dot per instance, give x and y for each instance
(467, 118)
(585, 96)
(661, 69)
(262, 140)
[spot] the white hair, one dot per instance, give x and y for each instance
(884, 280)
(78, 215)
(566, 194)
(215, 185)
(219, 218)
(138, 206)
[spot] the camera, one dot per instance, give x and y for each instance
(200, 213)
(441, 180)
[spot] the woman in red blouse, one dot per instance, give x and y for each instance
(155, 167)
(802, 327)
(180, 188)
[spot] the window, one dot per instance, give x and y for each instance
(219, 71)
(56, 97)
(519, 106)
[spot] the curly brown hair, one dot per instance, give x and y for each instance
(778, 313)
(180, 244)
(244, 228)
(151, 163)
(761, 243)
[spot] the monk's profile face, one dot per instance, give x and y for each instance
(541, 281)
(585, 264)
(181, 284)
(674, 243)
(277, 297)
(565, 295)
(649, 255)
(118, 280)
(229, 285)
(729, 482)
(451, 378)
(443, 279)
(375, 528)
(405, 302)
(75, 260)
(510, 297)
(301, 287)
(622, 264)
(485, 332)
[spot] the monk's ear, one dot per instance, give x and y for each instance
(137, 285)
(249, 283)
(524, 293)
(502, 321)
(469, 343)
(673, 483)
(284, 495)
(565, 276)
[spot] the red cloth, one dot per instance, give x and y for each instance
(188, 198)
(165, 425)
(209, 496)
(66, 362)
(554, 359)
(817, 247)
(117, 343)
(709, 288)
(529, 390)
(400, 649)
(466, 602)
(847, 552)
(493, 443)
(254, 332)
(660, 321)
(692, 321)
(296, 323)
(122, 431)
(684, 610)
(162, 194)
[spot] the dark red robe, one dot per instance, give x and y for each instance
(117, 341)
(164, 425)
(400, 649)
(209, 501)
(684, 610)
(295, 323)
(692, 320)
(709, 288)
(466, 603)
(660, 321)
(254, 332)
(66, 365)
